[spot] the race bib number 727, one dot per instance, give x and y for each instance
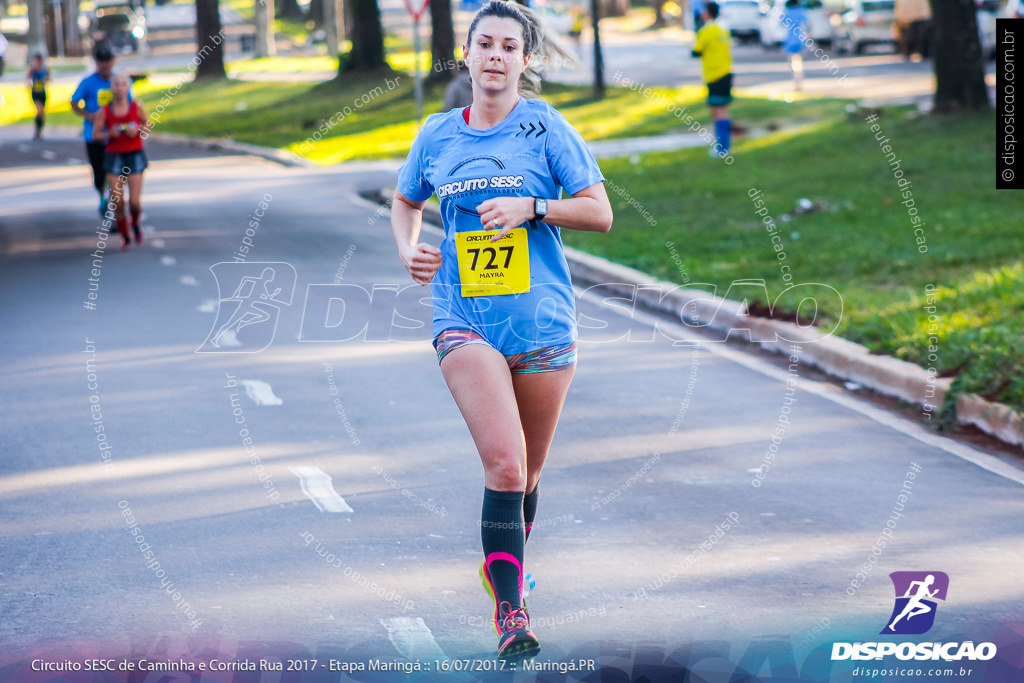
(489, 268)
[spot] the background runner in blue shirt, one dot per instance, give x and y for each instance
(91, 95)
(38, 77)
(498, 169)
(795, 21)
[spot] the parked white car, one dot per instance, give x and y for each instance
(742, 18)
(866, 22)
(773, 32)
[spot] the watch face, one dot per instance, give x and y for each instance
(541, 207)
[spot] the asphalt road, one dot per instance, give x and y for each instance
(215, 458)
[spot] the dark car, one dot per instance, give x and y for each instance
(119, 27)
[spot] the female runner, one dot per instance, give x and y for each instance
(123, 124)
(504, 311)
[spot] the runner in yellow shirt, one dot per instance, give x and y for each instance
(713, 48)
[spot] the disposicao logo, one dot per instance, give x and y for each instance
(916, 592)
(913, 614)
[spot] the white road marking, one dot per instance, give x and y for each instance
(261, 393)
(188, 280)
(827, 391)
(413, 639)
(48, 154)
(158, 243)
(74, 161)
(208, 306)
(168, 260)
(317, 486)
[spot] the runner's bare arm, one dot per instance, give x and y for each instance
(143, 121)
(99, 122)
(419, 258)
(588, 210)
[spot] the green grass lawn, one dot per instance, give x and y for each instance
(281, 65)
(286, 114)
(857, 238)
(863, 244)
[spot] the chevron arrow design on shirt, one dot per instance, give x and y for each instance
(534, 127)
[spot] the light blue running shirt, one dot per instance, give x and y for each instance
(534, 152)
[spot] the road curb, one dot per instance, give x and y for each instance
(833, 355)
(997, 419)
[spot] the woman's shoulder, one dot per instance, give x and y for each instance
(552, 118)
(537, 108)
(440, 122)
(536, 105)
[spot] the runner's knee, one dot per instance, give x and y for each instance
(505, 469)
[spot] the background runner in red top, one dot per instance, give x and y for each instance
(120, 140)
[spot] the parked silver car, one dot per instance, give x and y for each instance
(742, 18)
(866, 22)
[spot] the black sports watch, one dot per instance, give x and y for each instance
(540, 208)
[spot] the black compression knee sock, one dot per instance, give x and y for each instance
(501, 532)
(39, 124)
(530, 510)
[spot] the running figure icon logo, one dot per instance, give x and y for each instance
(247, 318)
(916, 592)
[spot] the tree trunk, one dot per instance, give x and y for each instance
(595, 18)
(289, 9)
(210, 38)
(263, 16)
(51, 31)
(367, 39)
(72, 36)
(344, 20)
(659, 13)
(442, 41)
(316, 12)
(959, 68)
(331, 27)
(36, 28)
